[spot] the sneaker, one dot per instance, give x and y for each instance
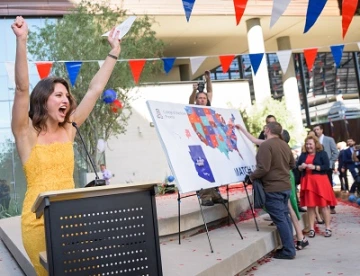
(282, 256)
(207, 203)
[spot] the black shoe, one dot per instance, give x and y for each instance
(302, 244)
(282, 256)
(220, 200)
(302, 210)
(207, 203)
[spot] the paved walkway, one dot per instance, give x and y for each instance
(338, 255)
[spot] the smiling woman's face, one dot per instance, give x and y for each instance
(58, 103)
(310, 145)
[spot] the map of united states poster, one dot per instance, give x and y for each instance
(202, 146)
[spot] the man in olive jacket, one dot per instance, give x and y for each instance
(274, 161)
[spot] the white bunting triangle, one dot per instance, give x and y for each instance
(195, 63)
(101, 62)
(358, 45)
(279, 7)
(284, 59)
(10, 69)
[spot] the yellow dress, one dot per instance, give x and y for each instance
(49, 168)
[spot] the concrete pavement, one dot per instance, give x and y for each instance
(337, 255)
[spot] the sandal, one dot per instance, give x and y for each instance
(328, 233)
(311, 234)
(302, 244)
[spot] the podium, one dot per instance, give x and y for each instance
(106, 230)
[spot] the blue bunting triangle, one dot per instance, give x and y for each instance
(168, 64)
(337, 52)
(188, 7)
(73, 69)
(255, 60)
(315, 7)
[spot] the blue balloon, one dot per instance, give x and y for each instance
(358, 201)
(109, 96)
(352, 198)
(170, 178)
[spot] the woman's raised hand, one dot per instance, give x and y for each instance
(20, 27)
(114, 41)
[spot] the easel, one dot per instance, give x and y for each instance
(248, 198)
(203, 217)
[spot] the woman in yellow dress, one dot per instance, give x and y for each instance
(44, 134)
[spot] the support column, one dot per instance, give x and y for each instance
(291, 90)
(256, 45)
(185, 72)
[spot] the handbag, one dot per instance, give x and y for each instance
(258, 194)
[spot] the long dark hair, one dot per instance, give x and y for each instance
(39, 96)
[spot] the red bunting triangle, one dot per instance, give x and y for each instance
(240, 6)
(348, 10)
(136, 66)
(43, 69)
(225, 62)
(310, 56)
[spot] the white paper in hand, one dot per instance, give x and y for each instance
(123, 27)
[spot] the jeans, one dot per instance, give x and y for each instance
(355, 185)
(277, 207)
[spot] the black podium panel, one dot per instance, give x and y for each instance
(105, 235)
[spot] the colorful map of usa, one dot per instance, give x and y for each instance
(212, 129)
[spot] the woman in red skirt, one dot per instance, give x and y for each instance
(315, 188)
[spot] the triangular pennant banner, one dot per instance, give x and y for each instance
(255, 60)
(225, 62)
(310, 56)
(101, 62)
(10, 69)
(73, 69)
(337, 52)
(43, 69)
(136, 66)
(195, 63)
(168, 64)
(348, 11)
(240, 6)
(284, 59)
(314, 10)
(188, 7)
(279, 6)
(358, 44)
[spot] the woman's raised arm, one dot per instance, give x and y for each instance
(20, 117)
(99, 81)
(249, 136)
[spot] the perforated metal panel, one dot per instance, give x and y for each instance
(108, 235)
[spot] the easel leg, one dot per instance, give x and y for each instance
(179, 201)
(251, 207)
(203, 217)
(228, 203)
(230, 216)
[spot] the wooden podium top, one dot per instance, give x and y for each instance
(70, 194)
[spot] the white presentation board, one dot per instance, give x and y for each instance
(202, 146)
